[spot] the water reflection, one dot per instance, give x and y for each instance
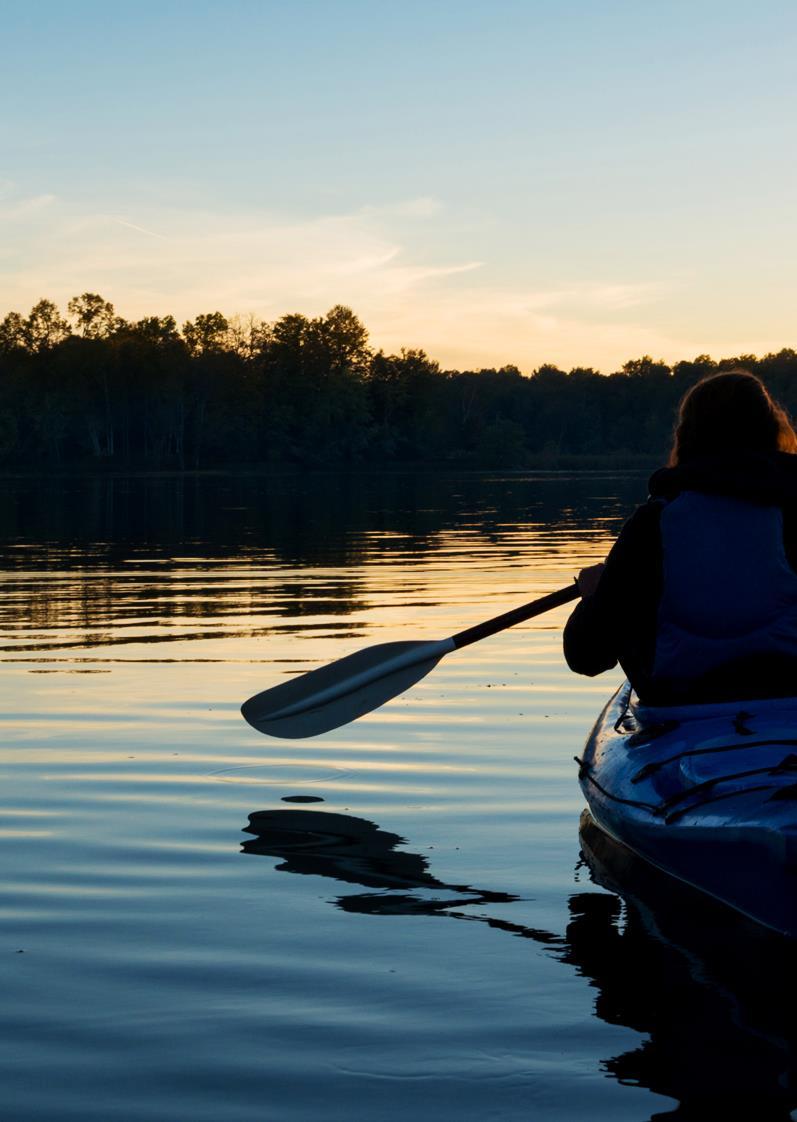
(300, 518)
(713, 992)
(356, 851)
(710, 992)
(156, 559)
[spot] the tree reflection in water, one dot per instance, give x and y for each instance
(110, 560)
(711, 992)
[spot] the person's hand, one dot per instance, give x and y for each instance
(587, 579)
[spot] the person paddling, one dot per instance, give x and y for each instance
(697, 600)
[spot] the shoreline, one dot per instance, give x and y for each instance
(544, 466)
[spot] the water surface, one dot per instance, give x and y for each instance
(394, 919)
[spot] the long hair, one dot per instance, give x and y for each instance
(730, 413)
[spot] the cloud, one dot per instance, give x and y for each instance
(23, 208)
(141, 230)
(620, 296)
(374, 259)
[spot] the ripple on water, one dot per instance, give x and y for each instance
(416, 945)
(276, 775)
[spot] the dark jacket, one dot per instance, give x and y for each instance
(618, 624)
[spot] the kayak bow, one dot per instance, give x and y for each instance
(707, 793)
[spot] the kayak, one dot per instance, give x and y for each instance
(708, 793)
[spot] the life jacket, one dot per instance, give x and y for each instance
(729, 593)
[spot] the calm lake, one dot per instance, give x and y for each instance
(416, 932)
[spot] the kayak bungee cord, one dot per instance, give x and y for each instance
(783, 768)
(681, 811)
(651, 768)
(584, 773)
(663, 809)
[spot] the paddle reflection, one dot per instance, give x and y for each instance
(356, 851)
(711, 993)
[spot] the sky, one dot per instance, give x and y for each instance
(515, 181)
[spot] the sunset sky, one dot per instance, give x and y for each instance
(519, 181)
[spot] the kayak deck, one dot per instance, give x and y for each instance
(707, 793)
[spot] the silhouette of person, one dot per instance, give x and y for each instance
(708, 563)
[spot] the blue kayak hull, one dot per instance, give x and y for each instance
(706, 793)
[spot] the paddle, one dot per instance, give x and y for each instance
(333, 695)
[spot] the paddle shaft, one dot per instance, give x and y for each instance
(517, 615)
(331, 696)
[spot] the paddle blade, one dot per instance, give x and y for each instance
(333, 695)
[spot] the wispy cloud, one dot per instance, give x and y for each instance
(374, 259)
(141, 230)
(14, 210)
(620, 296)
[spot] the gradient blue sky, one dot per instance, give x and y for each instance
(515, 181)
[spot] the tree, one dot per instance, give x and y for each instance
(95, 317)
(645, 367)
(345, 340)
(739, 362)
(402, 391)
(206, 334)
(311, 390)
(44, 327)
(247, 336)
(687, 373)
(549, 373)
(502, 443)
(161, 331)
(12, 332)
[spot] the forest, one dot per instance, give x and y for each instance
(90, 389)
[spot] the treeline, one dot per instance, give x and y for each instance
(89, 387)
